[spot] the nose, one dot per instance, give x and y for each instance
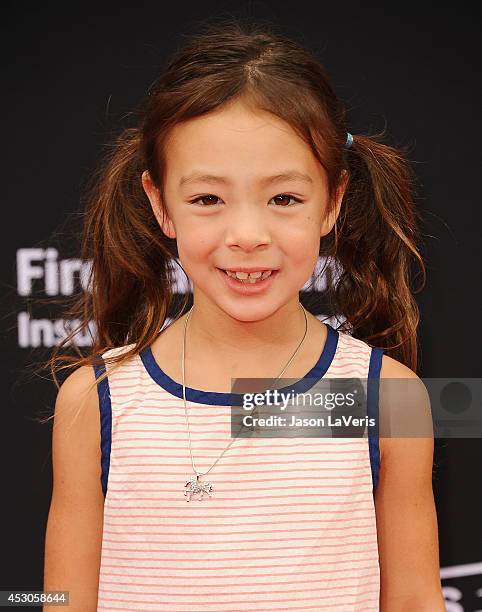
(247, 228)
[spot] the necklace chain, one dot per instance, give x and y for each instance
(193, 483)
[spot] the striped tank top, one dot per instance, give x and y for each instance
(290, 524)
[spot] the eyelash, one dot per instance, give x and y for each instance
(291, 197)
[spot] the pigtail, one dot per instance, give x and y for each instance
(128, 292)
(129, 251)
(376, 243)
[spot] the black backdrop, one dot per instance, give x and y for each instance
(73, 73)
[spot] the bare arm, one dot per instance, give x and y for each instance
(406, 517)
(74, 527)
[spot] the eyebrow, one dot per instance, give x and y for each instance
(286, 175)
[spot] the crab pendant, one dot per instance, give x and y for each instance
(196, 487)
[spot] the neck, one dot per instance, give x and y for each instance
(225, 334)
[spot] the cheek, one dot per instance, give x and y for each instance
(301, 249)
(302, 240)
(195, 244)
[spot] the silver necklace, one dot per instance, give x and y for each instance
(194, 486)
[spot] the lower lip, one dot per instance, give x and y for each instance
(248, 288)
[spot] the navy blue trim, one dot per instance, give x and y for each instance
(235, 399)
(105, 408)
(373, 384)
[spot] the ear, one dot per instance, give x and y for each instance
(153, 193)
(330, 220)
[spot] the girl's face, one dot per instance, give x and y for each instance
(243, 190)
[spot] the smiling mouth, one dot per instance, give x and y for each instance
(252, 278)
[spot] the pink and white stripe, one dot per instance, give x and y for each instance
(290, 525)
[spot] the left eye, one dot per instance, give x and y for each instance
(281, 195)
(289, 197)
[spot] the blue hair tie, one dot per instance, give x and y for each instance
(349, 140)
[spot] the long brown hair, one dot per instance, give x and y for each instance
(374, 239)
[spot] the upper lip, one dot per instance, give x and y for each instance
(251, 269)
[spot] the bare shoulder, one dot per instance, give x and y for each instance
(76, 433)
(391, 368)
(77, 398)
(406, 403)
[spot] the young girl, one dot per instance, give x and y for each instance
(243, 169)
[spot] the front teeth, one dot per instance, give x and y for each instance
(251, 278)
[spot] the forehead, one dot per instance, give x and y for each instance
(236, 140)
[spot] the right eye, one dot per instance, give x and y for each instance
(205, 197)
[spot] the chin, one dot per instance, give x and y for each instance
(245, 314)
